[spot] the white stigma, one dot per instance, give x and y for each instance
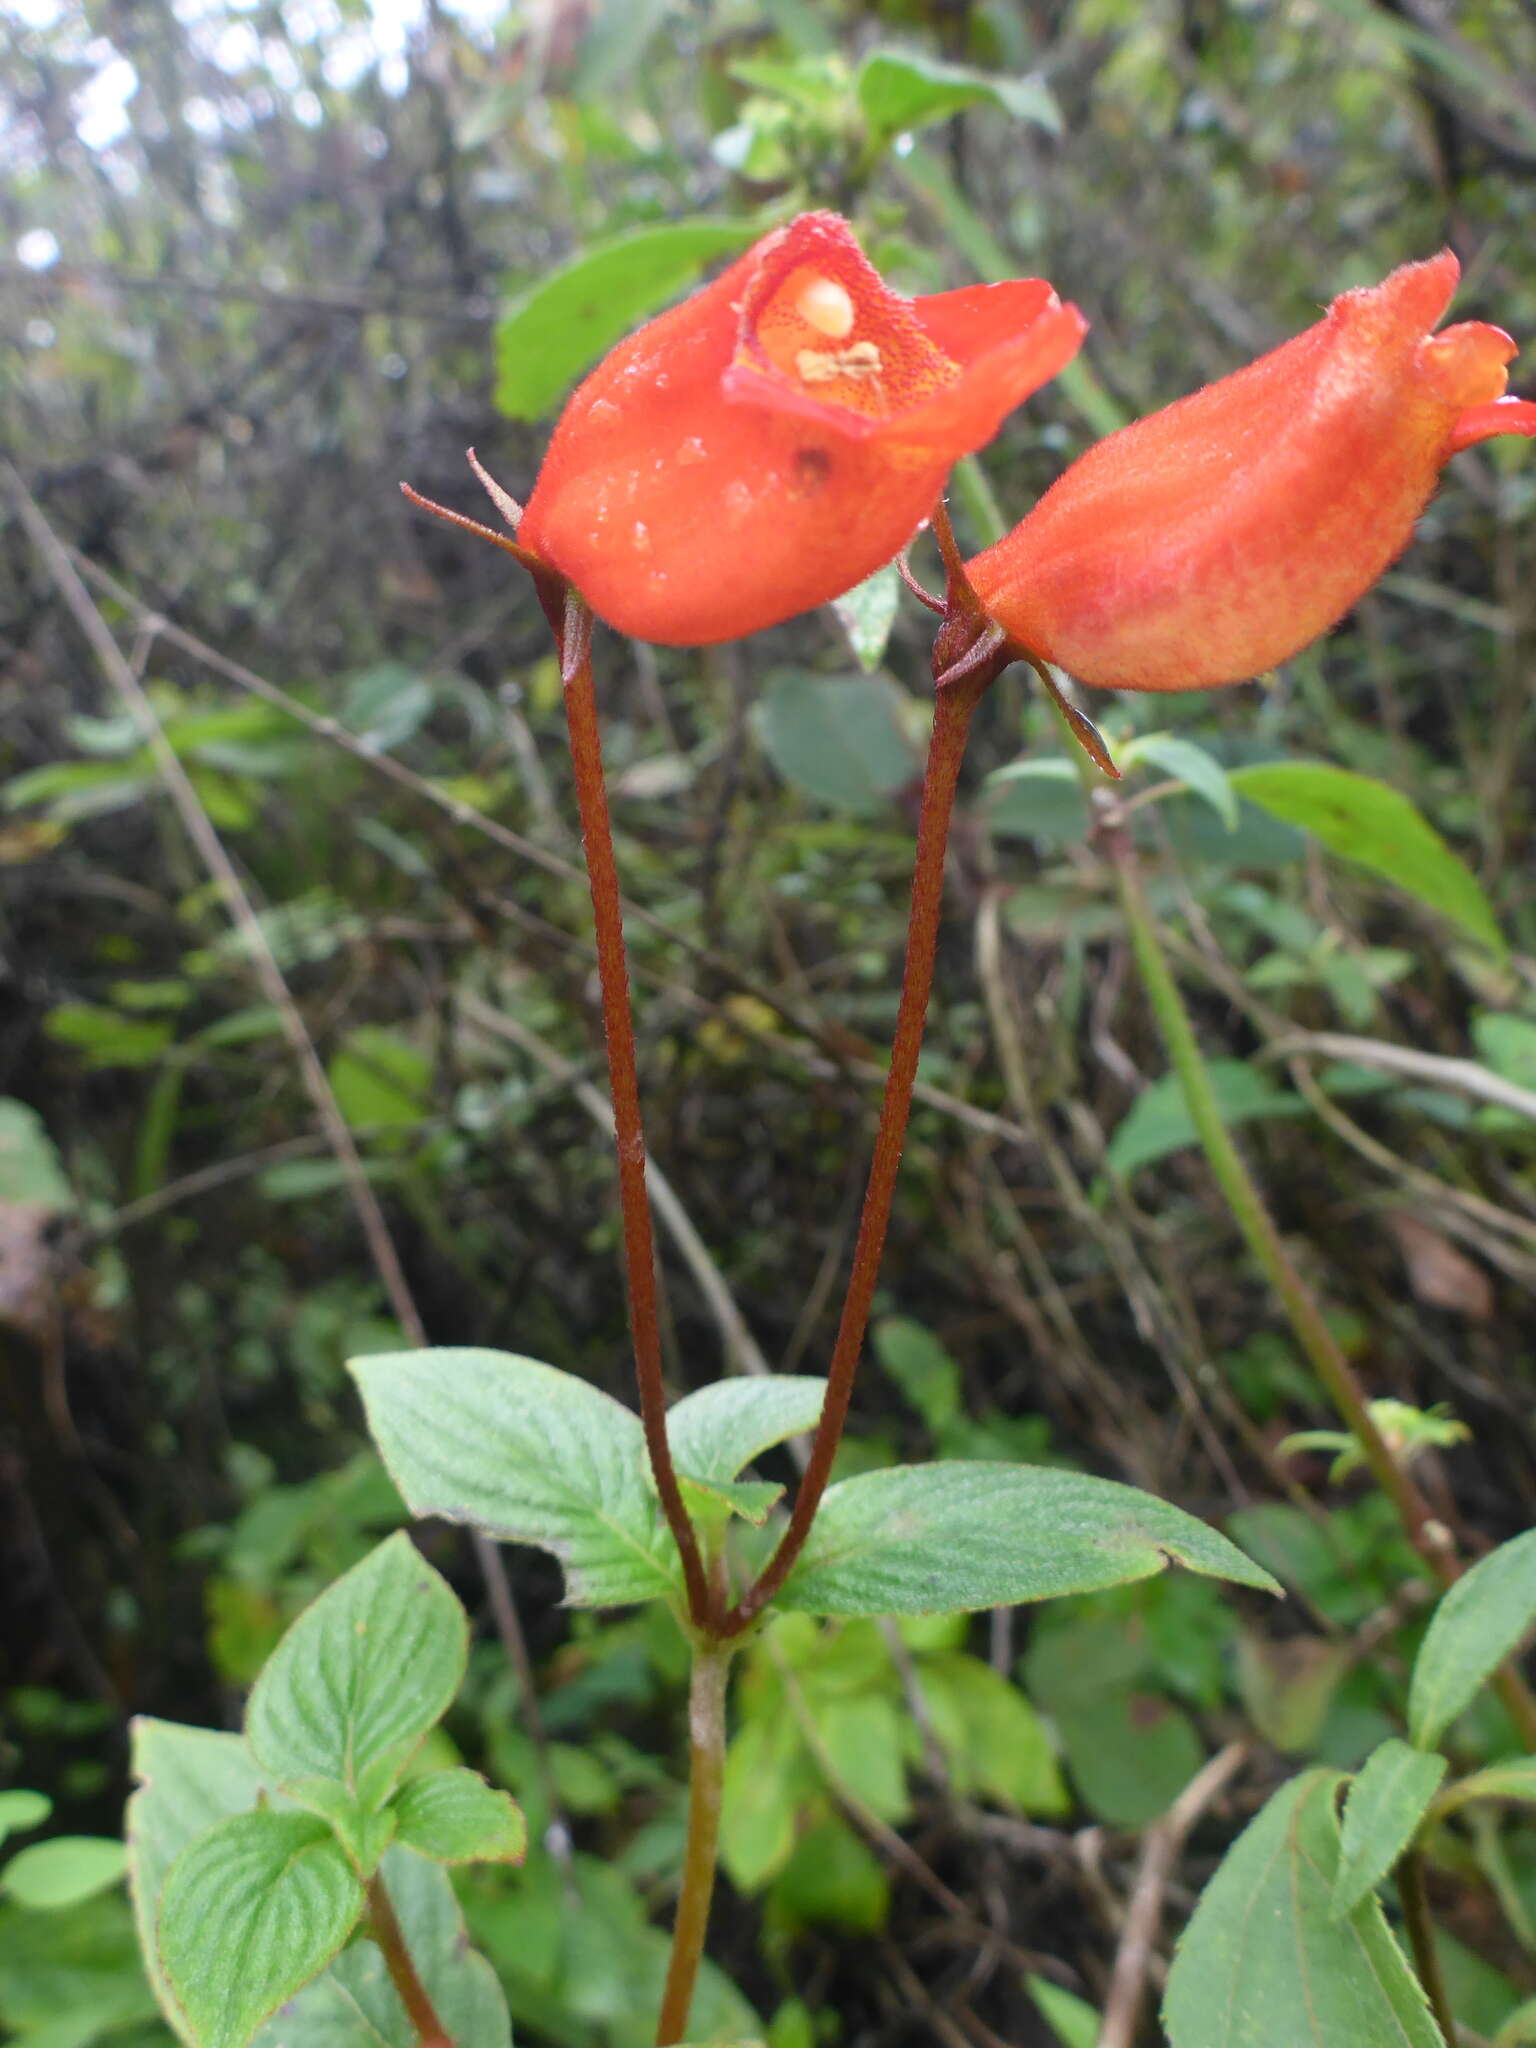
(826, 306)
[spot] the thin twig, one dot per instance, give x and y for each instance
(269, 976)
(891, 1847)
(1429, 1536)
(426, 302)
(1467, 1077)
(741, 1348)
(210, 848)
(840, 1052)
(1160, 1852)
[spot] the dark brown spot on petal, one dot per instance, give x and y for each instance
(812, 468)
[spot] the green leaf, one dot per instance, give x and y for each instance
(362, 1829)
(64, 1871)
(188, 1778)
(456, 1817)
(1367, 822)
(901, 90)
(30, 1168)
(380, 1079)
(1475, 1627)
(106, 1038)
(525, 1452)
(1507, 1044)
(76, 790)
(1514, 1778)
(867, 613)
(1289, 1686)
(192, 1777)
(361, 1676)
(1040, 799)
(838, 739)
(614, 44)
(354, 2005)
(1382, 1812)
(1073, 2020)
(72, 1980)
(22, 1811)
(251, 1911)
(862, 1737)
(922, 1368)
(1265, 1964)
(1158, 1122)
(832, 1879)
(936, 1538)
(712, 1502)
(1129, 1754)
(767, 1774)
(386, 705)
(723, 1427)
(1188, 764)
(547, 336)
(995, 1743)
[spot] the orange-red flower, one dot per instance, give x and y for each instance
(1213, 539)
(772, 440)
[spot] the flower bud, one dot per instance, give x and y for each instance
(1213, 539)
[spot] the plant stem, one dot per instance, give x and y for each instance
(1421, 1939)
(954, 705)
(430, 2031)
(706, 1772)
(1244, 1200)
(624, 1086)
(1429, 1536)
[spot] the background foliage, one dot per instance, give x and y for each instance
(259, 262)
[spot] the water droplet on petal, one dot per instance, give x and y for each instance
(640, 534)
(691, 451)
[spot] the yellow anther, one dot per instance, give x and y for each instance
(826, 306)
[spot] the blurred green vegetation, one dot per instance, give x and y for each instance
(260, 261)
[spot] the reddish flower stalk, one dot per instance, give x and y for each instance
(619, 1031)
(960, 689)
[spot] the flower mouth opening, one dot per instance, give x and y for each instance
(1467, 365)
(829, 334)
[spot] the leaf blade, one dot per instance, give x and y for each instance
(361, 1676)
(1475, 1627)
(251, 1911)
(454, 1816)
(526, 1453)
(186, 1779)
(548, 335)
(837, 739)
(1382, 1810)
(1264, 1963)
(961, 1534)
(1370, 823)
(717, 1431)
